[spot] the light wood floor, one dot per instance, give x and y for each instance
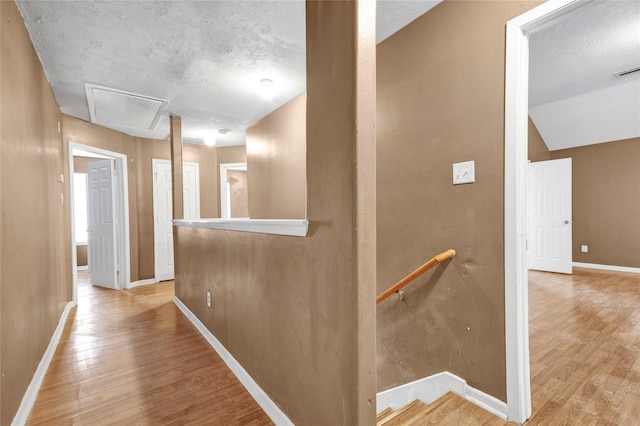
(585, 352)
(131, 357)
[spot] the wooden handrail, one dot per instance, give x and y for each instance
(415, 274)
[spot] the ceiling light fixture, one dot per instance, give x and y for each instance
(209, 141)
(267, 88)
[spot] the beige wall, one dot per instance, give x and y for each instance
(81, 255)
(606, 202)
(239, 201)
(538, 150)
(441, 101)
(298, 313)
(229, 154)
(276, 163)
(81, 164)
(35, 262)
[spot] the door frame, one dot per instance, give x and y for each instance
(515, 198)
(122, 206)
(225, 201)
(154, 165)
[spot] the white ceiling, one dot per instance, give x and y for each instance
(575, 99)
(207, 58)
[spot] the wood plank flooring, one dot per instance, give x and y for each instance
(131, 357)
(585, 352)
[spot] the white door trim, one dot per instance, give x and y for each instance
(122, 200)
(515, 199)
(225, 201)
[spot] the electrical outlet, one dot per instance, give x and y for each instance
(585, 248)
(208, 298)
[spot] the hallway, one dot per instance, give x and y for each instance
(131, 357)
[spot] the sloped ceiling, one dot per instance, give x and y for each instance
(207, 58)
(575, 99)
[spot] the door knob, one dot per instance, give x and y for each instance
(566, 222)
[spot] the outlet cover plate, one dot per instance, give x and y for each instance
(464, 172)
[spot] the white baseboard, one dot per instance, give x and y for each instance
(269, 407)
(82, 268)
(607, 267)
(31, 394)
(433, 387)
(141, 282)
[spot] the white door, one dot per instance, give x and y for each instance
(102, 229)
(550, 223)
(191, 190)
(163, 215)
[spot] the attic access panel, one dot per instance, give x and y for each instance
(118, 108)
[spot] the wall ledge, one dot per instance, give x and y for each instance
(431, 388)
(292, 227)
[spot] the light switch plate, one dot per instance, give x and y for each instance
(584, 248)
(464, 172)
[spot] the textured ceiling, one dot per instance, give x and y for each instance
(206, 57)
(574, 97)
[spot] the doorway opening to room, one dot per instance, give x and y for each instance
(234, 201)
(99, 217)
(578, 106)
(163, 214)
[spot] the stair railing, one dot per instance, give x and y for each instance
(415, 274)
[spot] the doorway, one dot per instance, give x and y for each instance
(121, 254)
(233, 191)
(163, 214)
(515, 199)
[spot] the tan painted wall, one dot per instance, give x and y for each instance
(538, 150)
(441, 101)
(35, 245)
(606, 202)
(81, 164)
(275, 163)
(298, 313)
(239, 200)
(229, 154)
(81, 255)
